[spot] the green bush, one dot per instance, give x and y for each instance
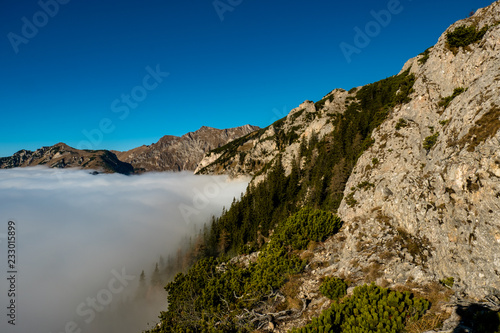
(401, 124)
(273, 268)
(464, 35)
(430, 141)
(447, 100)
(369, 309)
(425, 56)
(365, 185)
(350, 201)
(212, 290)
(333, 288)
(448, 282)
(307, 225)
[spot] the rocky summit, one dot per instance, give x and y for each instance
(63, 156)
(172, 153)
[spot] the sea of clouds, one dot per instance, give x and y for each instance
(82, 241)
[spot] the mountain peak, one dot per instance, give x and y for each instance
(61, 155)
(173, 153)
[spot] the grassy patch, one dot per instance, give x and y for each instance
(365, 185)
(444, 122)
(486, 127)
(414, 245)
(448, 282)
(350, 201)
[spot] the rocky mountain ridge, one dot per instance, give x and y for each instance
(423, 202)
(410, 165)
(170, 153)
(250, 154)
(61, 155)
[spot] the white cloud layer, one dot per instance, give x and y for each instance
(83, 237)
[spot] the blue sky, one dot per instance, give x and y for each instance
(93, 74)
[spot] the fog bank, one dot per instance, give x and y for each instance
(82, 241)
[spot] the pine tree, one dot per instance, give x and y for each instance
(156, 278)
(142, 288)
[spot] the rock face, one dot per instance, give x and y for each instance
(423, 202)
(172, 153)
(443, 196)
(63, 156)
(250, 154)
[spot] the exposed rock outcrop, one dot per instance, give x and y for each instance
(172, 153)
(445, 195)
(63, 156)
(250, 154)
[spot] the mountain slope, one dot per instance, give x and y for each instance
(417, 160)
(173, 153)
(63, 156)
(432, 173)
(437, 176)
(251, 153)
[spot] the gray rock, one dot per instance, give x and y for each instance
(449, 197)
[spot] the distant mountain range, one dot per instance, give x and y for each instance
(63, 156)
(170, 153)
(181, 153)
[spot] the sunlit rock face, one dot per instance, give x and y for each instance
(445, 194)
(172, 153)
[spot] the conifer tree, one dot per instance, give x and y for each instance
(156, 278)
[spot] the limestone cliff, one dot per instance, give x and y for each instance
(437, 173)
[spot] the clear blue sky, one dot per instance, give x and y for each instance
(74, 72)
